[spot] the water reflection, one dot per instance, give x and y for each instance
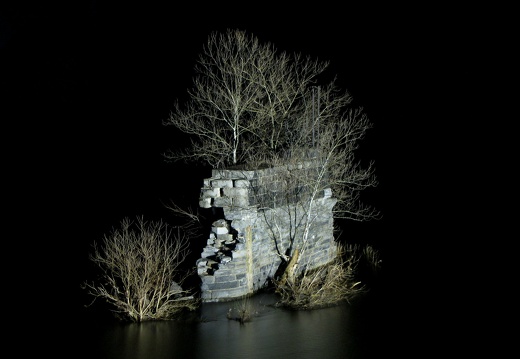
(272, 333)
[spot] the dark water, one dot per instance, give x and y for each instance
(391, 320)
(337, 332)
(364, 328)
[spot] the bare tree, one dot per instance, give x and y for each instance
(318, 163)
(251, 105)
(243, 100)
(140, 273)
(254, 107)
(336, 134)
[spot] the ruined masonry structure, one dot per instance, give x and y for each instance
(243, 249)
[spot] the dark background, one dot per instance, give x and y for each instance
(87, 84)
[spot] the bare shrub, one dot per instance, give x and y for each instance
(140, 271)
(324, 286)
(243, 310)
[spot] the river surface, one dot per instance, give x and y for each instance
(336, 332)
(369, 326)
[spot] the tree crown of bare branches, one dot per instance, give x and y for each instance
(252, 106)
(244, 99)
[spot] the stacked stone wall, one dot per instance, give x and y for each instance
(244, 248)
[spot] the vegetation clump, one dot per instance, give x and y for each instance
(324, 286)
(243, 310)
(140, 273)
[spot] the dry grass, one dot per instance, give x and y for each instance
(243, 310)
(324, 286)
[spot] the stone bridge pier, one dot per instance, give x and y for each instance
(244, 248)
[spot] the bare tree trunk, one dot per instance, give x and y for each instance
(289, 273)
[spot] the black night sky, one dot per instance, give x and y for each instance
(86, 86)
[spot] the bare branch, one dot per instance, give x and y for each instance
(140, 271)
(243, 99)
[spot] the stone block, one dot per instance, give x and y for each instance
(226, 278)
(220, 223)
(233, 174)
(241, 201)
(205, 203)
(222, 183)
(210, 192)
(202, 262)
(222, 202)
(238, 213)
(208, 279)
(224, 271)
(219, 230)
(207, 295)
(227, 294)
(239, 254)
(240, 183)
(225, 260)
(327, 193)
(225, 285)
(208, 251)
(229, 265)
(225, 237)
(235, 192)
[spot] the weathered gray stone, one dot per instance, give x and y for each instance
(219, 230)
(209, 251)
(225, 278)
(221, 183)
(205, 203)
(327, 193)
(236, 192)
(225, 285)
(225, 237)
(242, 183)
(225, 260)
(261, 230)
(239, 254)
(222, 202)
(210, 192)
(223, 295)
(208, 279)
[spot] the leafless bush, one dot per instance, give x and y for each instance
(323, 286)
(140, 274)
(243, 310)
